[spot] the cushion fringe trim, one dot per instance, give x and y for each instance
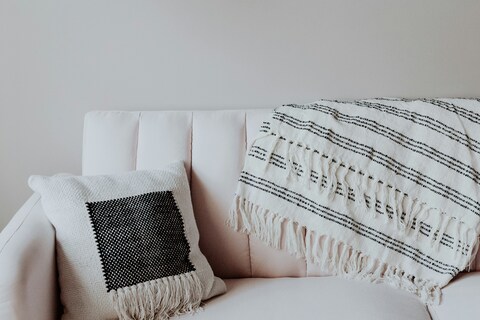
(159, 299)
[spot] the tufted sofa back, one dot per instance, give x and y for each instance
(212, 144)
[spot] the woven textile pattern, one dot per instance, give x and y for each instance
(145, 231)
(127, 244)
(383, 190)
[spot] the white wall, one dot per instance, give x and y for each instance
(59, 59)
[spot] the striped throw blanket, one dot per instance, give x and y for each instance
(383, 190)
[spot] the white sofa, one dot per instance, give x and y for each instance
(262, 283)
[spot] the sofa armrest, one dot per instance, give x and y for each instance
(28, 285)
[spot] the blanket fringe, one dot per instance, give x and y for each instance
(342, 260)
(473, 254)
(327, 252)
(159, 299)
(334, 178)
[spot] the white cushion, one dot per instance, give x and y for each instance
(127, 244)
(311, 298)
(460, 299)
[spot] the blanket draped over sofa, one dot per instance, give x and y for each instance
(384, 190)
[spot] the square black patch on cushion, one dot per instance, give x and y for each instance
(140, 238)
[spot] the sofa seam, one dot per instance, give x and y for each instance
(245, 151)
(135, 159)
(84, 142)
(191, 150)
(19, 226)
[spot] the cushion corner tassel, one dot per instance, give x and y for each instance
(159, 299)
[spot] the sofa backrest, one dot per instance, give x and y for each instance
(212, 144)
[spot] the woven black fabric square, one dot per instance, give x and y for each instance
(140, 238)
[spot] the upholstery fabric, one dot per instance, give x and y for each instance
(460, 299)
(28, 273)
(127, 244)
(311, 298)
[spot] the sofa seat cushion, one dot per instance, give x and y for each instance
(311, 298)
(460, 299)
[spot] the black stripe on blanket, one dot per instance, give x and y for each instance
(383, 159)
(419, 119)
(346, 221)
(399, 138)
(425, 229)
(460, 111)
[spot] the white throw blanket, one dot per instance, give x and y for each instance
(385, 190)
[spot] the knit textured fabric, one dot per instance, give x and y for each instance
(127, 244)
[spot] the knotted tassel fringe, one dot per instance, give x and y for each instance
(377, 197)
(159, 299)
(327, 252)
(342, 260)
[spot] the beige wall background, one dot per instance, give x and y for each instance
(60, 59)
